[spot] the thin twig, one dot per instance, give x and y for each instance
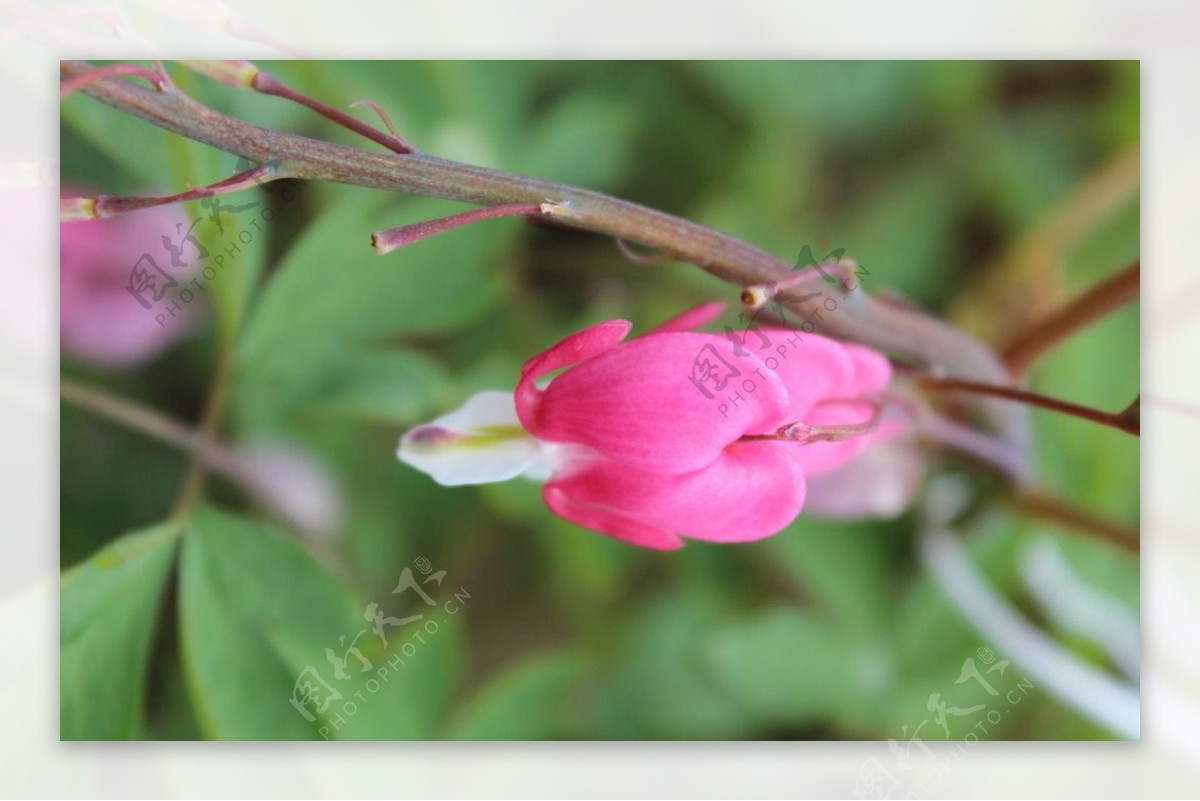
(193, 483)
(906, 333)
(267, 84)
(132, 415)
(68, 88)
(158, 426)
(1039, 504)
(1127, 420)
(1092, 305)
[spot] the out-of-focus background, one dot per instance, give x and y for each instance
(989, 193)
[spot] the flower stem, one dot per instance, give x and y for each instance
(267, 84)
(1093, 304)
(156, 425)
(803, 434)
(975, 444)
(193, 483)
(70, 87)
(1038, 504)
(904, 332)
(130, 414)
(1127, 420)
(396, 238)
(108, 206)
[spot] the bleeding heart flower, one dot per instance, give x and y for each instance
(633, 445)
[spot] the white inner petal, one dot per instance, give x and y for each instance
(481, 443)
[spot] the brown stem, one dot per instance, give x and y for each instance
(193, 482)
(803, 434)
(1093, 304)
(68, 88)
(1127, 420)
(1080, 520)
(906, 333)
(109, 206)
(130, 414)
(267, 84)
(405, 235)
(159, 426)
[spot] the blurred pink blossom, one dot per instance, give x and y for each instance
(295, 484)
(881, 483)
(101, 321)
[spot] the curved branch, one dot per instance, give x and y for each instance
(904, 332)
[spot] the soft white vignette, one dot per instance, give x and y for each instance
(1161, 34)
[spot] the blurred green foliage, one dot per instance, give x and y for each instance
(925, 172)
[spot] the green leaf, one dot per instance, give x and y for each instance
(845, 566)
(580, 125)
(138, 148)
(525, 702)
(332, 290)
(902, 231)
(783, 665)
(657, 687)
(251, 606)
(108, 608)
(257, 617)
(382, 387)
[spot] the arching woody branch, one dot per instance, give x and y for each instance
(903, 332)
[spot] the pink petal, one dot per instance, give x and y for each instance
(811, 367)
(609, 523)
(880, 483)
(639, 403)
(575, 348)
(872, 372)
(859, 373)
(753, 491)
(99, 320)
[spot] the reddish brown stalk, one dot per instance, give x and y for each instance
(396, 238)
(1127, 420)
(907, 334)
(267, 84)
(156, 79)
(108, 206)
(803, 434)
(1037, 504)
(1095, 303)
(383, 116)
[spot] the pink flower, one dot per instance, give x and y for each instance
(100, 320)
(675, 434)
